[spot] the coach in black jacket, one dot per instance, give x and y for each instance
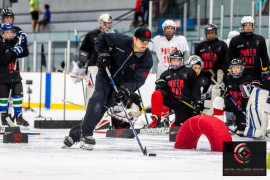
(130, 62)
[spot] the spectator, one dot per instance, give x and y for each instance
(258, 5)
(46, 18)
(34, 10)
(163, 8)
(138, 13)
(266, 8)
(145, 13)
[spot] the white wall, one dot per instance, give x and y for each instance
(74, 92)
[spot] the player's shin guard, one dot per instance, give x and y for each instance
(17, 104)
(218, 105)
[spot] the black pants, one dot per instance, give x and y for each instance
(182, 111)
(17, 89)
(240, 117)
(98, 104)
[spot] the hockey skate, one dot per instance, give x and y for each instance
(4, 119)
(22, 123)
(87, 142)
(230, 123)
(68, 142)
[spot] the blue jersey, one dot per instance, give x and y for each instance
(48, 14)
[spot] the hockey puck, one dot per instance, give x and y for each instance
(152, 155)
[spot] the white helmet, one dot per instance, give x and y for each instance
(167, 23)
(247, 19)
(104, 18)
(194, 59)
(230, 36)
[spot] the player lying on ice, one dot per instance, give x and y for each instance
(177, 83)
(130, 62)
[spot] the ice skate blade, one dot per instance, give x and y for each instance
(24, 127)
(64, 146)
(86, 146)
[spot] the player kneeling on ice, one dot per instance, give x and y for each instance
(129, 62)
(10, 50)
(233, 94)
(176, 83)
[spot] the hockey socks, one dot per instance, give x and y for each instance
(17, 104)
(3, 104)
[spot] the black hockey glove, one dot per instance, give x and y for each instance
(198, 107)
(104, 59)
(224, 93)
(161, 84)
(122, 95)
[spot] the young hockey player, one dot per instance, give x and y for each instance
(10, 50)
(235, 78)
(177, 83)
(213, 52)
(130, 62)
(164, 45)
(230, 36)
(251, 48)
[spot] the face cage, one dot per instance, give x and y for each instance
(169, 36)
(196, 60)
(206, 31)
(175, 67)
(2, 34)
(101, 25)
(3, 16)
(237, 75)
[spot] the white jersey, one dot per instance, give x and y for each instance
(162, 47)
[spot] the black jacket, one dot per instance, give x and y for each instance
(250, 49)
(88, 46)
(183, 83)
(7, 60)
(128, 68)
(213, 55)
(234, 90)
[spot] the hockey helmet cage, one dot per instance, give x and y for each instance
(237, 62)
(168, 23)
(194, 59)
(176, 54)
(208, 28)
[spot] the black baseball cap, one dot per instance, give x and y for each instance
(143, 33)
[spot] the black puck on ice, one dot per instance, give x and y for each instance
(152, 155)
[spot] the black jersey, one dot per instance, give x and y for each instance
(7, 60)
(183, 83)
(252, 50)
(213, 55)
(234, 90)
(204, 83)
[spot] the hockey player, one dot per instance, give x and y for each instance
(130, 62)
(195, 62)
(230, 36)
(213, 52)
(164, 45)
(251, 48)
(10, 50)
(177, 83)
(235, 78)
(87, 53)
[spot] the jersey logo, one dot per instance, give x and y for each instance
(230, 86)
(202, 50)
(247, 44)
(242, 45)
(185, 75)
(209, 48)
(218, 48)
(145, 74)
(167, 77)
(203, 81)
(133, 65)
(257, 43)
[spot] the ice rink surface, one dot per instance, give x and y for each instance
(112, 158)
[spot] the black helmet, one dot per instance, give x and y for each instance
(208, 28)
(6, 12)
(176, 54)
(237, 62)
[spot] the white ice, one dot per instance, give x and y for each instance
(112, 158)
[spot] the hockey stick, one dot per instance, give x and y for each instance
(187, 104)
(77, 47)
(74, 75)
(143, 108)
(144, 151)
(73, 103)
(10, 91)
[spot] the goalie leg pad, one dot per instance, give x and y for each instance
(257, 118)
(157, 103)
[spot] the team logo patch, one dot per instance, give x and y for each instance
(230, 86)
(209, 48)
(268, 78)
(257, 43)
(247, 43)
(242, 45)
(218, 48)
(203, 81)
(145, 74)
(174, 74)
(133, 65)
(167, 77)
(202, 50)
(185, 75)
